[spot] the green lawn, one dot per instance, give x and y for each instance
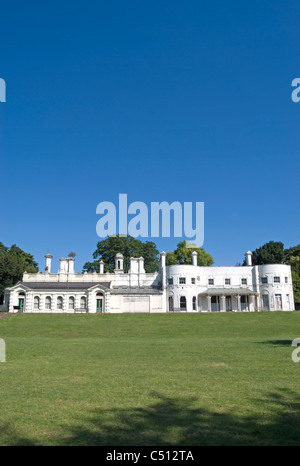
(181, 380)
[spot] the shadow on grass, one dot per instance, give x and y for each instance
(177, 422)
(277, 342)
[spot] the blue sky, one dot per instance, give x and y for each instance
(162, 100)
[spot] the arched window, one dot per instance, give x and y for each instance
(83, 302)
(48, 302)
(71, 302)
(183, 302)
(36, 302)
(59, 302)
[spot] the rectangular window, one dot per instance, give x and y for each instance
(244, 281)
(264, 279)
(210, 281)
(193, 281)
(170, 281)
(265, 301)
(286, 279)
(182, 302)
(227, 281)
(276, 279)
(181, 280)
(278, 302)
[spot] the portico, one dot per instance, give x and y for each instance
(228, 299)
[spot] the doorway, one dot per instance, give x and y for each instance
(21, 305)
(228, 304)
(99, 302)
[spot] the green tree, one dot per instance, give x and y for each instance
(129, 247)
(296, 288)
(13, 263)
(270, 253)
(183, 255)
(274, 253)
(292, 257)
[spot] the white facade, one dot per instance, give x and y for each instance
(174, 288)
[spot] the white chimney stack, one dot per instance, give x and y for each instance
(101, 267)
(162, 259)
(248, 258)
(48, 263)
(194, 257)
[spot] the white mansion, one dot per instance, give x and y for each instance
(174, 288)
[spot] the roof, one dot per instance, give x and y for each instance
(63, 285)
(228, 291)
(136, 290)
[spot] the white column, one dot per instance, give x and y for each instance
(209, 303)
(223, 304)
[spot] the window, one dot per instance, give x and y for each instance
(182, 302)
(286, 279)
(83, 302)
(215, 303)
(227, 281)
(194, 303)
(59, 303)
(181, 280)
(244, 281)
(278, 302)
(265, 302)
(48, 303)
(276, 279)
(170, 281)
(264, 279)
(36, 302)
(71, 302)
(193, 281)
(210, 281)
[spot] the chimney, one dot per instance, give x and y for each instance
(248, 258)
(71, 261)
(141, 265)
(119, 260)
(194, 258)
(48, 263)
(63, 265)
(101, 267)
(162, 261)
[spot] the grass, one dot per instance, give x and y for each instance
(181, 380)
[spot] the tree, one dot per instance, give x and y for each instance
(270, 253)
(274, 253)
(292, 257)
(296, 288)
(183, 255)
(13, 263)
(129, 247)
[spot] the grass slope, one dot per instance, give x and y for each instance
(182, 380)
